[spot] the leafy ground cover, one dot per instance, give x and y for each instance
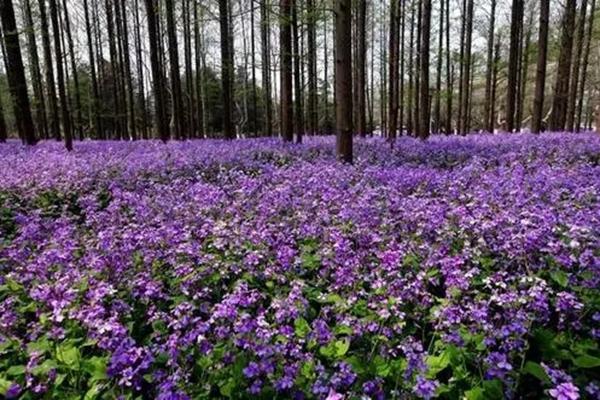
(457, 268)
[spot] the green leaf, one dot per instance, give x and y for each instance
(44, 368)
(68, 355)
(475, 393)
(227, 388)
(535, 369)
(437, 364)
(93, 392)
(342, 347)
(560, 277)
(96, 367)
(4, 386)
(301, 327)
(493, 389)
(587, 361)
(16, 370)
(382, 367)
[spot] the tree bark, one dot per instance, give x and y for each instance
(586, 56)
(438, 83)
(540, 80)
(576, 70)
(513, 63)
(157, 74)
(343, 79)
(361, 72)
(60, 77)
(393, 72)
(298, 92)
(425, 109)
(176, 98)
(226, 70)
(266, 66)
(313, 113)
(465, 105)
(16, 74)
(561, 86)
(489, 123)
(54, 118)
(285, 87)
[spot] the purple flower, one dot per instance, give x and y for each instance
(425, 388)
(565, 391)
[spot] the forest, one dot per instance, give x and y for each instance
(299, 199)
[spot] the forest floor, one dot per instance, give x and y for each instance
(458, 267)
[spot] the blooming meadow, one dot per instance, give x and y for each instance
(454, 268)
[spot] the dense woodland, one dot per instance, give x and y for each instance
(182, 69)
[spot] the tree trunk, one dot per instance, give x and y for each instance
(313, 113)
(78, 118)
(95, 97)
(226, 70)
(438, 83)
(265, 33)
(561, 86)
(16, 74)
(402, 59)
(513, 63)
(176, 98)
(54, 122)
(298, 103)
(465, 105)
(575, 72)
(523, 74)
(140, 74)
(60, 77)
(586, 56)
(199, 85)
(540, 80)
(254, 125)
(425, 108)
(449, 74)
(157, 74)
(393, 72)
(488, 122)
(128, 76)
(361, 73)
(190, 112)
(36, 74)
(343, 79)
(285, 87)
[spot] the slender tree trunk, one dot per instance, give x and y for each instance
(78, 115)
(466, 77)
(411, 73)
(54, 118)
(176, 98)
(361, 73)
(3, 130)
(265, 32)
(15, 72)
(60, 77)
(298, 92)
(190, 104)
(114, 70)
(513, 64)
(128, 75)
(494, 92)
(425, 116)
(253, 60)
(285, 45)
(584, 65)
(561, 87)
(540, 80)
(449, 75)
(524, 72)
(157, 74)
(343, 79)
(313, 114)
(461, 60)
(575, 71)
(489, 123)
(36, 74)
(199, 73)
(141, 102)
(393, 72)
(417, 93)
(438, 83)
(226, 70)
(402, 59)
(95, 95)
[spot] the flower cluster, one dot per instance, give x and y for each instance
(256, 269)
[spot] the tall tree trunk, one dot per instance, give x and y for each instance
(190, 104)
(3, 129)
(540, 80)
(425, 108)
(393, 72)
(438, 83)
(402, 59)
(60, 77)
(78, 118)
(584, 65)
(36, 74)
(95, 95)
(265, 33)
(16, 74)
(493, 94)
(176, 98)
(561, 87)
(513, 63)
(128, 75)
(343, 79)
(54, 118)
(461, 60)
(254, 124)
(226, 70)
(417, 93)
(575, 72)
(361, 73)
(449, 74)
(524, 71)
(411, 72)
(313, 113)
(114, 70)
(488, 122)
(141, 102)
(298, 103)
(285, 45)
(157, 73)
(465, 105)
(199, 85)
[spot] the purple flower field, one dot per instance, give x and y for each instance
(455, 268)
